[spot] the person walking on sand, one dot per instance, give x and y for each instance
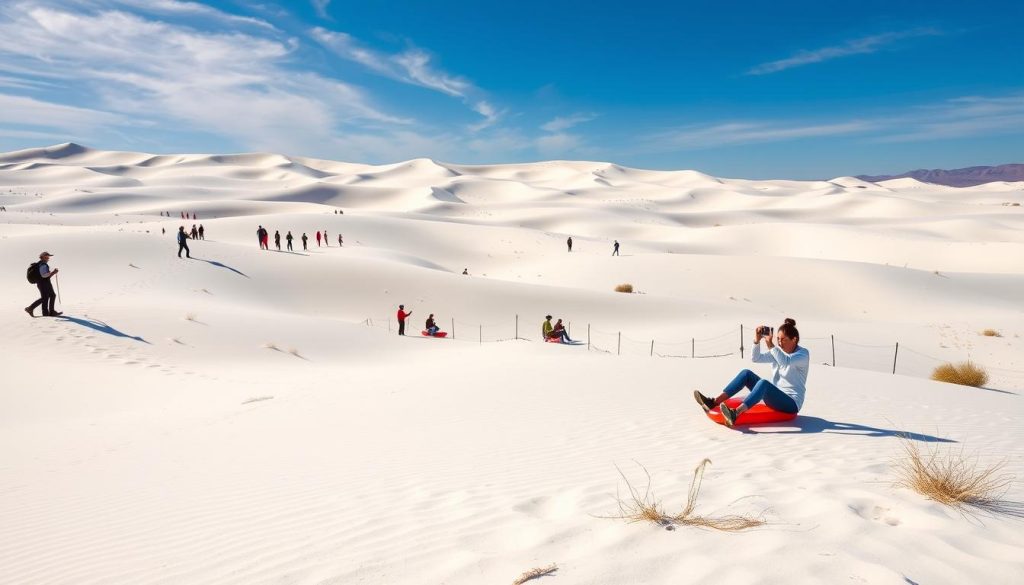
(202, 233)
(304, 240)
(183, 242)
(288, 238)
(615, 252)
(327, 242)
(784, 393)
(277, 240)
(260, 236)
(317, 238)
(339, 241)
(401, 319)
(569, 243)
(194, 234)
(40, 275)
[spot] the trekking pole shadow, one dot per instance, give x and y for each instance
(221, 265)
(97, 325)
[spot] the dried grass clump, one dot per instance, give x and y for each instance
(647, 508)
(271, 345)
(991, 333)
(535, 574)
(190, 317)
(624, 288)
(296, 353)
(964, 373)
(954, 479)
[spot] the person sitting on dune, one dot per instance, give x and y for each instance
(546, 328)
(432, 327)
(784, 393)
(559, 332)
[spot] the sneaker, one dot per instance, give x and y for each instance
(56, 313)
(30, 313)
(706, 403)
(728, 414)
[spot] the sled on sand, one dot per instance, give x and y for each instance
(758, 414)
(426, 333)
(559, 340)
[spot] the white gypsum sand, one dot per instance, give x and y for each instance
(142, 446)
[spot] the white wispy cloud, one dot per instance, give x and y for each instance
(859, 46)
(562, 123)
(412, 66)
(321, 7)
(734, 133)
(22, 110)
(557, 144)
(959, 118)
(232, 84)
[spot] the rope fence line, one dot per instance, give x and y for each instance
(882, 358)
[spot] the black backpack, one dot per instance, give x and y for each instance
(33, 273)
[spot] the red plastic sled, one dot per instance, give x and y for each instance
(438, 334)
(553, 339)
(758, 414)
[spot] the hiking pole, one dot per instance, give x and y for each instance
(56, 278)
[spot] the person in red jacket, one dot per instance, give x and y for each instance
(317, 238)
(401, 319)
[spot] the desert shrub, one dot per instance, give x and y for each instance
(645, 507)
(991, 333)
(964, 373)
(624, 288)
(953, 478)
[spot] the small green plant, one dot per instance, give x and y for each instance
(964, 373)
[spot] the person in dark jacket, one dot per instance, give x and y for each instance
(305, 239)
(569, 243)
(46, 294)
(432, 327)
(277, 240)
(288, 238)
(202, 232)
(183, 242)
(615, 252)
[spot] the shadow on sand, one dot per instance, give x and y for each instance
(812, 424)
(221, 265)
(100, 326)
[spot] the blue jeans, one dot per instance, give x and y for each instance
(563, 335)
(432, 330)
(760, 389)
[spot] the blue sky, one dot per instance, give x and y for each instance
(736, 89)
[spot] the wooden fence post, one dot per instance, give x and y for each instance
(894, 356)
(652, 348)
(833, 351)
(741, 340)
(619, 350)
(588, 336)
(693, 347)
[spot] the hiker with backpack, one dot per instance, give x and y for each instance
(183, 242)
(277, 240)
(39, 274)
(288, 238)
(202, 232)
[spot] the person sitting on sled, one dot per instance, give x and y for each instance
(784, 393)
(432, 327)
(560, 333)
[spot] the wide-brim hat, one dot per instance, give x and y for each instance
(47, 254)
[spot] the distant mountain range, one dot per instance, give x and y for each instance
(967, 177)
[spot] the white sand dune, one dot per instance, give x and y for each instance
(251, 417)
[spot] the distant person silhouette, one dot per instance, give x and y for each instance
(277, 240)
(317, 238)
(202, 232)
(569, 243)
(194, 234)
(304, 240)
(261, 235)
(340, 242)
(327, 242)
(615, 252)
(288, 238)
(401, 319)
(42, 277)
